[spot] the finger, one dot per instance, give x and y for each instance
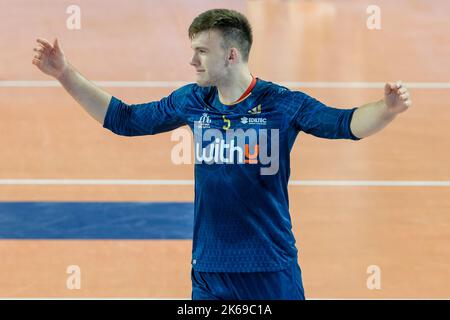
(45, 43)
(408, 103)
(46, 49)
(36, 62)
(38, 56)
(41, 49)
(404, 96)
(398, 84)
(402, 90)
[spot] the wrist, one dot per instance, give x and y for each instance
(387, 113)
(62, 74)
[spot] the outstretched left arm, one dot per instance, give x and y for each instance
(372, 117)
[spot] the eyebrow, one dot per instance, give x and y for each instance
(199, 48)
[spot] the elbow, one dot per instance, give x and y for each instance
(355, 134)
(354, 128)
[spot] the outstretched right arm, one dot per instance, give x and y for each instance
(50, 60)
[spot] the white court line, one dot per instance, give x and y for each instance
(176, 84)
(321, 183)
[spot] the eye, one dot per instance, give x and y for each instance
(202, 51)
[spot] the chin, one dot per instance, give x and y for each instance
(203, 83)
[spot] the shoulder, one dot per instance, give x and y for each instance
(187, 95)
(282, 95)
(192, 89)
(280, 91)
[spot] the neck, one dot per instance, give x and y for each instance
(234, 86)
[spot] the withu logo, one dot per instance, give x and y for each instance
(238, 146)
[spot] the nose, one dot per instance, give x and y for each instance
(194, 61)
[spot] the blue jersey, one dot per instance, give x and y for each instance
(242, 153)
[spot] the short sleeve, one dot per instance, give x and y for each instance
(147, 118)
(314, 117)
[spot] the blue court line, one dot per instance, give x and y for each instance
(96, 220)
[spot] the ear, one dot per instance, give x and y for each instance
(233, 55)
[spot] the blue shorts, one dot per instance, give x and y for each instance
(280, 285)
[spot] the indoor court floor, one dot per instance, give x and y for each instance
(73, 193)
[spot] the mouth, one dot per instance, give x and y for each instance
(199, 71)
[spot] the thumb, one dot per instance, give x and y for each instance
(387, 88)
(56, 45)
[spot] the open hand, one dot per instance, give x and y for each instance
(49, 58)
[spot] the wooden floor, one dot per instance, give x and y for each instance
(340, 230)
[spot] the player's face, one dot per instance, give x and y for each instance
(210, 58)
